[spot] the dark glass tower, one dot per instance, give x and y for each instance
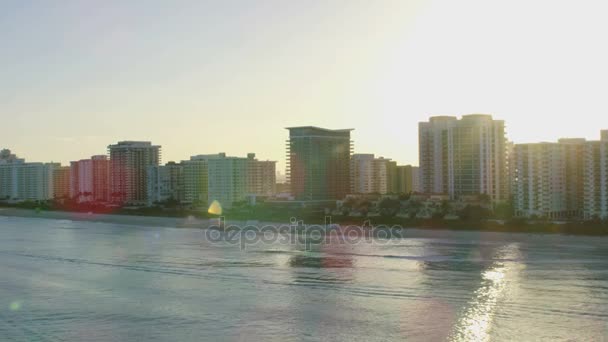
(318, 163)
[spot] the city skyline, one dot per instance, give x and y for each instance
(77, 76)
(103, 151)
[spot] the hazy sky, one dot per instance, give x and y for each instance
(209, 76)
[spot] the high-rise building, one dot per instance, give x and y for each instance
(196, 178)
(539, 184)
(463, 157)
(406, 179)
(318, 163)
(436, 154)
(165, 183)
(30, 181)
(261, 176)
(416, 183)
(61, 182)
(129, 161)
(7, 161)
(6, 181)
(6, 157)
(595, 201)
(574, 175)
(21, 181)
(563, 180)
(362, 173)
(548, 179)
(392, 181)
(227, 180)
(90, 179)
(369, 174)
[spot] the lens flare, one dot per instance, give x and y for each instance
(15, 306)
(215, 208)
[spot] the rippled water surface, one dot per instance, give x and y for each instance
(64, 280)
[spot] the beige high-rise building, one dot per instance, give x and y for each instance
(539, 180)
(406, 179)
(368, 174)
(548, 179)
(416, 182)
(261, 176)
(362, 173)
(129, 162)
(595, 191)
(563, 180)
(463, 157)
(392, 180)
(61, 182)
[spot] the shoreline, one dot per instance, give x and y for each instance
(105, 218)
(203, 223)
(124, 219)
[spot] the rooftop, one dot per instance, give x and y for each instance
(322, 129)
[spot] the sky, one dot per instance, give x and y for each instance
(202, 77)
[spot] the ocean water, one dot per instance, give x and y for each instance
(63, 280)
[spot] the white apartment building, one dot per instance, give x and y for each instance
(227, 180)
(7, 161)
(208, 177)
(196, 178)
(463, 157)
(22, 181)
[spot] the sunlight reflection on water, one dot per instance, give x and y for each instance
(476, 322)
